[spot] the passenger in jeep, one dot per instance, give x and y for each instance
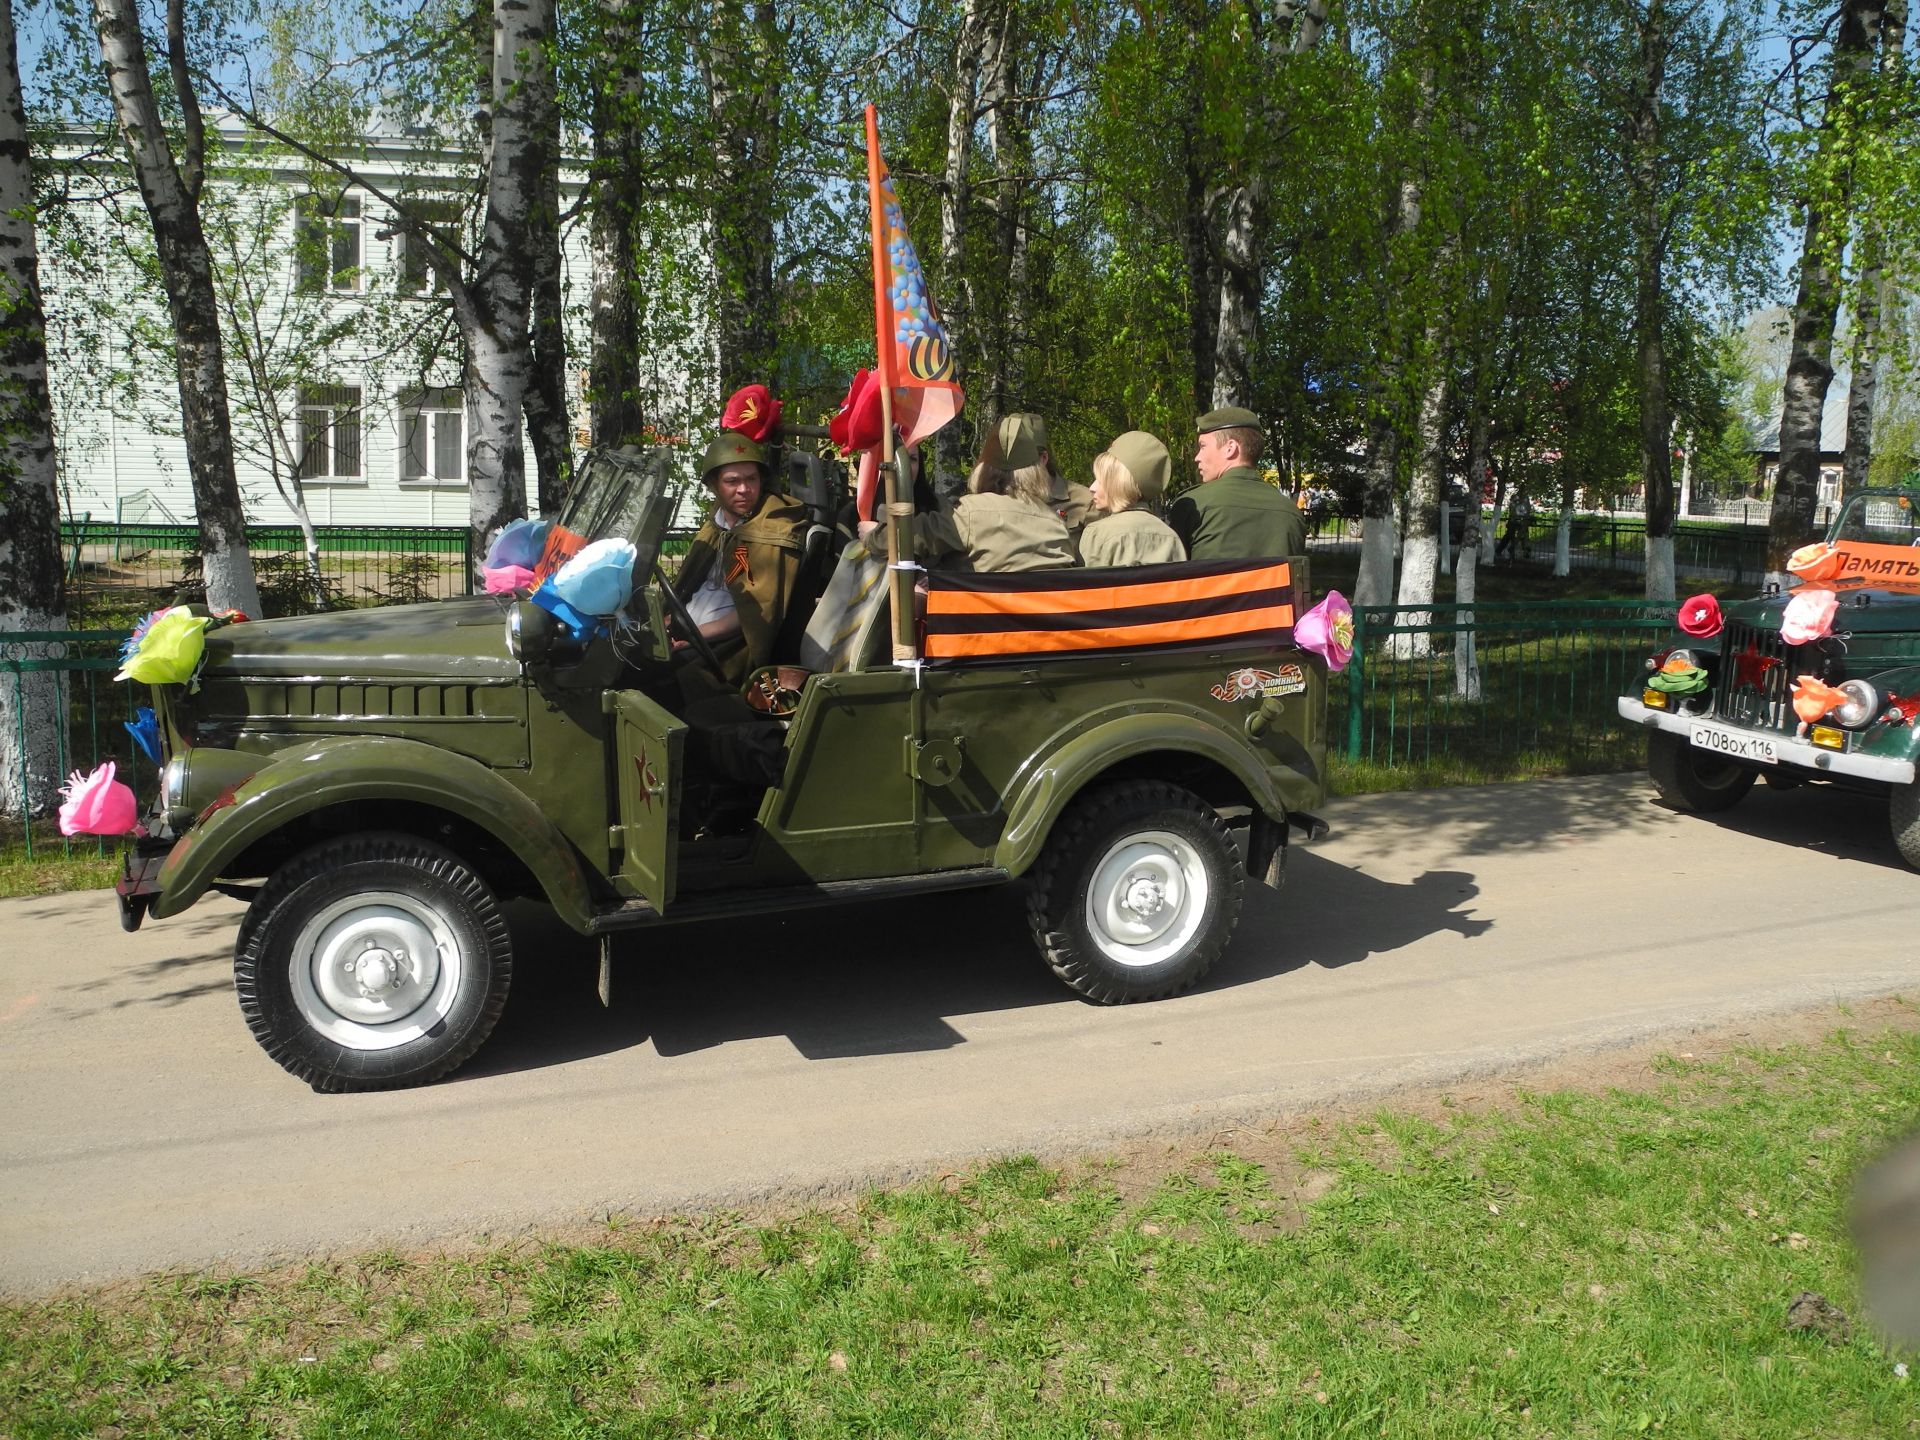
(1002, 523)
(739, 577)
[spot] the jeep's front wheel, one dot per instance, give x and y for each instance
(372, 962)
(1136, 894)
(1904, 813)
(1689, 778)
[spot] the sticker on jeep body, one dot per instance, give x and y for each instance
(1251, 684)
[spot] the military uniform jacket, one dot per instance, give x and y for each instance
(1074, 505)
(1130, 537)
(993, 532)
(1238, 517)
(761, 556)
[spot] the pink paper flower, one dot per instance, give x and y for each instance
(1327, 631)
(1808, 616)
(97, 804)
(1700, 617)
(505, 579)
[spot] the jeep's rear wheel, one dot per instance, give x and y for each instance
(372, 963)
(1689, 778)
(1904, 813)
(1137, 893)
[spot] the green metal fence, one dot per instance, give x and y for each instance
(61, 711)
(1505, 688)
(116, 570)
(1709, 549)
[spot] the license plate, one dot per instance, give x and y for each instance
(1735, 744)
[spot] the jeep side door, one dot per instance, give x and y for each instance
(647, 757)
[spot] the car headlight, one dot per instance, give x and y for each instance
(1861, 707)
(173, 783)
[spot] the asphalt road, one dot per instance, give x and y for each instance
(1433, 936)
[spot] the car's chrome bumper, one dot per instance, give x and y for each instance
(1793, 751)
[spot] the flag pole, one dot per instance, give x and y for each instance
(899, 514)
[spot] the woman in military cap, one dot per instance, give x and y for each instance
(1000, 524)
(1129, 477)
(740, 572)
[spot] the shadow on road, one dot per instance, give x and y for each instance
(882, 979)
(1846, 824)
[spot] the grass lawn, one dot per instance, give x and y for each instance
(1572, 1264)
(55, 866)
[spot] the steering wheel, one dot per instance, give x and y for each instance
(683, 622)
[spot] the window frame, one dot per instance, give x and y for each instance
(321, 224)
(434, 407)
(344, 416)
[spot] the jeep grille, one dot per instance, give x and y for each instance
(1764, 705)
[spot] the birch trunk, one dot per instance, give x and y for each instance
(1203, 281)
(956, 196)
(743, 93)
(549, 426)
(1243, 207)
(1865, 359)
(1796, 492)
(1420, 549)
(172, 196)
(615, 414)
(1374, 585)
(1007, 135)
(32, 595)
(1643, 183)
(493, 308)
(1466, 570)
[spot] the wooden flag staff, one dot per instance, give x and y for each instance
(899, 511)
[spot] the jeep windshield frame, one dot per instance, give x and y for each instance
(1878, 517)
(623, 494)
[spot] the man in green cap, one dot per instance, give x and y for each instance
(1232, 514)
(1073, 503)
(739, 575)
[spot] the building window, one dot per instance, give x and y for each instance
(327, 243)
(433, 447)
(442, 219)
(330, 432)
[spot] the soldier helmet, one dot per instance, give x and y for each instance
(731, 448)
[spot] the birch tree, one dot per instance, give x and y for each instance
(32, 597)
(171, 191)
(1825, 199)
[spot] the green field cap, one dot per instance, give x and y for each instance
(1229, 417)
(1018, 446)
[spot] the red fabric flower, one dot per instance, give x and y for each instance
(857, 425)
(1700, 617)
(751, 411)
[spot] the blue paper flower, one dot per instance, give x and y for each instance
(145, 729)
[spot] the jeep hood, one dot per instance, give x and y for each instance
(456, 639)
(1864, 610)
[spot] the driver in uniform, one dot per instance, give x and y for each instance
(739, 576)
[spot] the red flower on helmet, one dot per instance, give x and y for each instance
(751, 411)
(1700, 617)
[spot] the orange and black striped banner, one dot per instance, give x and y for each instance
(1197, 605)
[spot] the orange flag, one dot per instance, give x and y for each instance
(916, 361)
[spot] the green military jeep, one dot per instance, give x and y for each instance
(1839, 707)
(376, 782)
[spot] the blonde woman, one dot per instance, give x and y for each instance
(998, 525)
(1128, 480)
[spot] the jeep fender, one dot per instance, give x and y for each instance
(1084, 756)
(335, 772)
(1899, 741)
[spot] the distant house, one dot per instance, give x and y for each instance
(366, 409)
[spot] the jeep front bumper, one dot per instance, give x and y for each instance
(1792, 750)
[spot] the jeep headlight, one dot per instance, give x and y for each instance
(173, 783)
(1861, 707)
(1684, 656)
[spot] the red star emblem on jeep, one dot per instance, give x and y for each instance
(1750, 667)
